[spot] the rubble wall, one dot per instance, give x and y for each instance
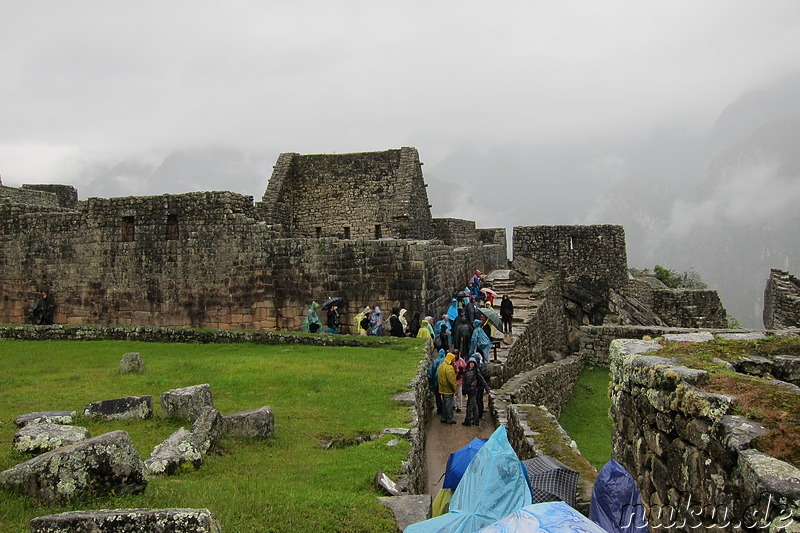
(550, 385)
(781, 301)
(28, 196)
(693, 461)
(690, 308)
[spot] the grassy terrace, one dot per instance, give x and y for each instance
(287, 483)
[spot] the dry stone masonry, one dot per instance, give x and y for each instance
(782, 301)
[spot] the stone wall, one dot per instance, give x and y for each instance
(550, 385)
(455, 231)
(545, 335)
(28, 196)
(365, 195)
(196, 259)
(67, 195)
(595, 340)
(592, 256)
(690, 308)
(692, 460)
(781, 300)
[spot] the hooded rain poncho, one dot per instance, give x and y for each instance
(312, 318)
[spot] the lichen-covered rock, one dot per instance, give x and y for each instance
(106, 464)
(179, 448)
(121, 408)
(131, 363)
(127, 520)
(49, 417)
(206, 428)
(186, 403)
(257, 423)
(39, 438)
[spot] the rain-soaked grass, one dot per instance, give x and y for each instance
(585, 417)
(285, 483)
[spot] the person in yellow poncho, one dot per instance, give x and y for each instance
(359, 317)
(425, 328)
(447, 387)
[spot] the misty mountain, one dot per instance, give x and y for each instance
(182, 171)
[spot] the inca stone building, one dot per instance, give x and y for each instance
(357, 226)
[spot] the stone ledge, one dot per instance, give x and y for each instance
(127, 520)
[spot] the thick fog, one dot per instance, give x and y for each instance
(679, 120)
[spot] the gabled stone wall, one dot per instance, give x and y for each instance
(782, 300)
(366, 195)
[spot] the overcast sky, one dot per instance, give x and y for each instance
(96, 80)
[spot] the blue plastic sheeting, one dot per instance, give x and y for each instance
(494, 485)
(616, 505)
(549, 517)
(458, 462)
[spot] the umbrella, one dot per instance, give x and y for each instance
(551, 480)
(337, 301)
(487, 290)
(461, 294)
(458, 462)
(492, 316)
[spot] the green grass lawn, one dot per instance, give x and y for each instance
(585, 417)
(286, 483)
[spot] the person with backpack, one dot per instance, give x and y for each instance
(474, 384)
(361, 321)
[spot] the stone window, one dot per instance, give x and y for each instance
(347, 232)
(378, 231)
(128, 229)
(172, 227)
(319, 231)
(571, 243)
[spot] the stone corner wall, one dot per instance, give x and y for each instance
(67, 195)
(30, 197)
(592, 256)
(550, 385)
(455, 231)
(781, 301)
(692, 460)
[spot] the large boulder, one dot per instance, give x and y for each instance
(121, 408)
(257, 423)
(179, 448)
(107, 464)
(186, 403)
(39, 438)
(131, 363)
(127, 520)
(49, 417)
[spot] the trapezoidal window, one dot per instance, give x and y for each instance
(347, 232)
(172, 228)
(128, 229)
(378, 231)
(319, 231)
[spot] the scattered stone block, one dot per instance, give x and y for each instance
(131, 363)
(207, 428)
(121, 408)
(40, 438)
(186, 403)
(256, 424)
(408, 509)
(49, 417)
(107, 464)
(179, 448)
(127, 520)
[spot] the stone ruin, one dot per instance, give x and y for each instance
(781, 301)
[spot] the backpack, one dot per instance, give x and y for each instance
(364, 322)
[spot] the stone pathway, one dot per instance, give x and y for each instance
(444, 439)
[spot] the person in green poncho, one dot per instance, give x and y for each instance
(312, 323)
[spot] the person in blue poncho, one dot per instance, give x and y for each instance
(433, 380)
(452, 311)
(448, 328)
(480, 342)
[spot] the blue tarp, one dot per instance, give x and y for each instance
(458, 462)
(616, 505)
(549, 517)
(494, 486)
